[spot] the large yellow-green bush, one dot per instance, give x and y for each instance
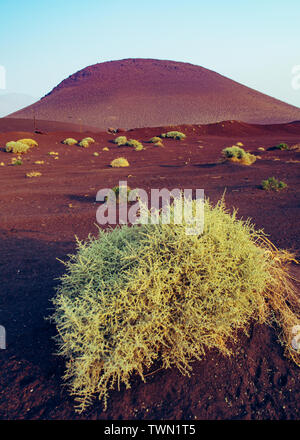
(147, 293)
(16, 147)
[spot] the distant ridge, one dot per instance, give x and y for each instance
(135, 93)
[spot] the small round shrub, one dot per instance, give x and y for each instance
(234, 151)
(30, 142)
(155, 139)
(84, 144)
(120, 140)
(138, 146)
(70, 141)
(272, 184)
(238, 154)
(90, 140)
(16, 147)
(174, 134)
(137, 295)
(119, 162)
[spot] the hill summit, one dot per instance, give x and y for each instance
(134, 93)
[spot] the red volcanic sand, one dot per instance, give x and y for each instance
(40, 217)
(147, 93)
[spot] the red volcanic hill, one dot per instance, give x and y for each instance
(146, 93)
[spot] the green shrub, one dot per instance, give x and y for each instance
(282, 146)
(174, 134)
(119, 162)
(237, 154)
(136, 144)
(234, 151)
(84, 144)
(90, 140)
(139, 148)
(70, 141)
(155, 139)
(272, 184)
(141, 294)
(16, 147)
(120, 140)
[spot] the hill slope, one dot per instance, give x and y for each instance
(144, 92)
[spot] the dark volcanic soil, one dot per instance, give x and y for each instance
(147, 93)
(39, 218)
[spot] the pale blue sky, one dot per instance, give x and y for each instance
(254, 42)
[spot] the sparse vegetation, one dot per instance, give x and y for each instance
(120, 141)
(53, 153)
(119, 162)
(16, 161)
(39, 162)
(174, 134)
(70, 141)
(33, 174)
(105, 149)
(238, 154)
(16, 147)
(141, 294)
(272, 184)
